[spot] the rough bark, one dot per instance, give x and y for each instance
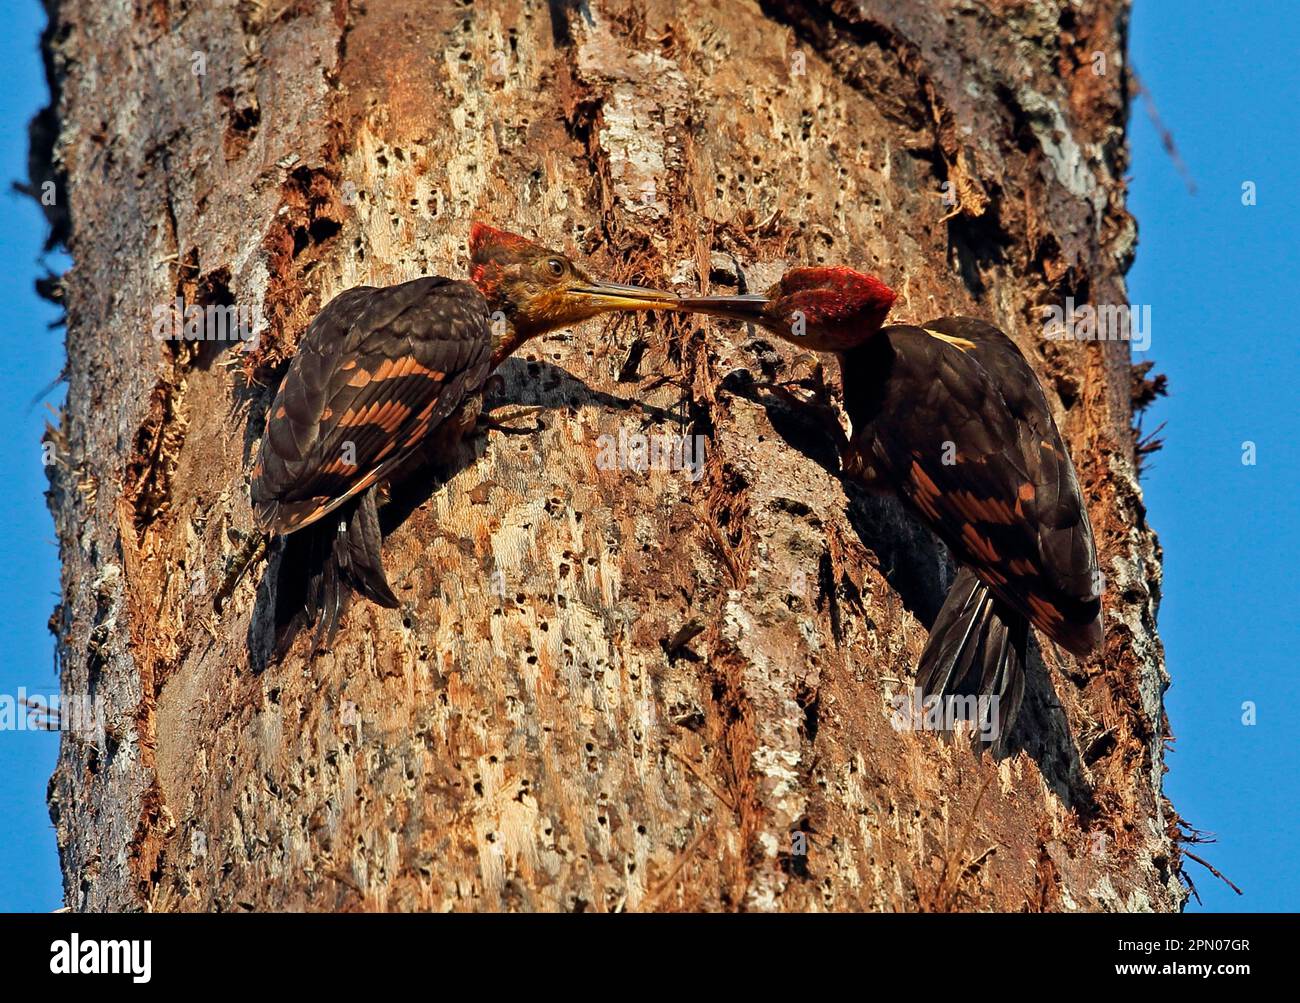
(522, 735)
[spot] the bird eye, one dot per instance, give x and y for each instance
(556, 267)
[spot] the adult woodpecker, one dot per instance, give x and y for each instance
(949, 416)
(384, 380)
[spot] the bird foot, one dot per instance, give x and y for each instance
(816, 407)
(501, 423)
(254, 546)
(496, 384)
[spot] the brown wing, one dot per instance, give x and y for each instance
(960, 426)
(375, 374)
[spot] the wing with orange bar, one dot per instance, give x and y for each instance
(965, 434)
(377, 372)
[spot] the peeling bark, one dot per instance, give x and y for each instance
(605, 689)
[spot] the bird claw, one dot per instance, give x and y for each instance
(785, 389)
(495, 384)
(817, 407)
(500, 423)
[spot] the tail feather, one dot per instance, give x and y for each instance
(977, 649)
(323, 564)
(361, 558)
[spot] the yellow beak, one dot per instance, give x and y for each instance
(612, 296)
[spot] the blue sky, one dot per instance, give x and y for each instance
(29, 571)
(1218, 277)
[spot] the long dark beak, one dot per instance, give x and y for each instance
(749, 307)
(612, 296)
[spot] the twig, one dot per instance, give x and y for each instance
(652, 899)
(698, 776)
(941, 892)
(1213, 870)
(1166, 137)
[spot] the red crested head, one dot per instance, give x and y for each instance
(536, 289)
(825, 309)
(486, 242)
(492, 252)
(831, 295)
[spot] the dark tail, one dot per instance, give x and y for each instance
(323, 565)
(977, 649)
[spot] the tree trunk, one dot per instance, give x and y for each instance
(607, 688)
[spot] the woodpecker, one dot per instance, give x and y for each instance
(948, 416)
(385, 380)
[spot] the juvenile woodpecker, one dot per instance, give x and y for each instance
(386, 380)
(948, 416)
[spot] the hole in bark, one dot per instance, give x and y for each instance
(322, 229)
(811, 704)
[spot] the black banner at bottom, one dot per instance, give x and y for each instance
(681, 952)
